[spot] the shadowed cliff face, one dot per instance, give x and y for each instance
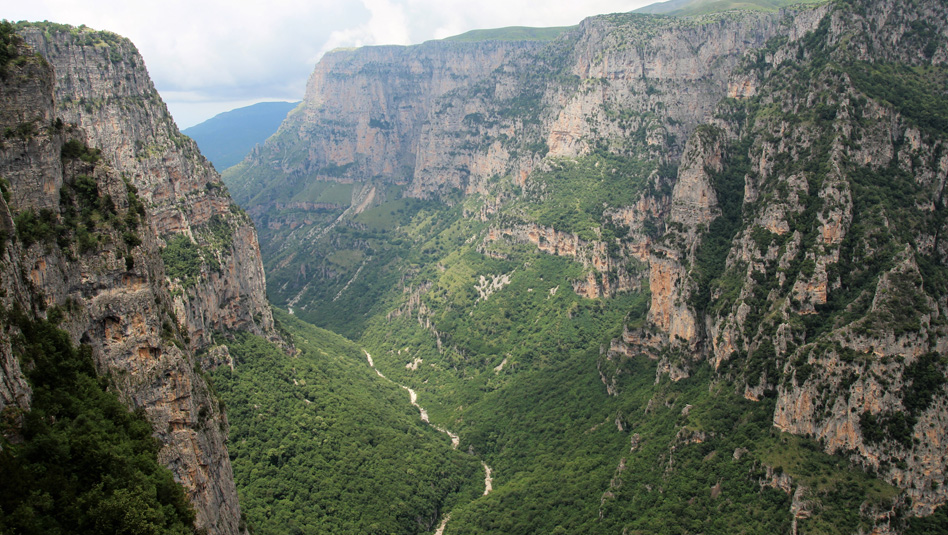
(97, 181)
(102, 86)
(775, 181)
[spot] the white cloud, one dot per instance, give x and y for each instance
(206, 54)
(387, 25)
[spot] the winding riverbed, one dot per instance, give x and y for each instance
(455, 440)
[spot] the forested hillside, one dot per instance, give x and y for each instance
(663, 274)
(321, 444)
(227, 137)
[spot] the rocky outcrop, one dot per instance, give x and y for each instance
(94, 183)
(606, 273)
(31, 168)
(694, 201)
(102, 86)
(788, 223)
(822, 301)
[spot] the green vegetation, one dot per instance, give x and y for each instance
(923, 379)
(74, 149)
(185, 260)
(510, 33)
(716, 243)
(325, 192)
(182, 259)
(320, 444)
(33, 227)
(85, 36)
(556, 440)
(573, 194)
(227, 137)
(87, 219)
(8, 45)
(691, 8)
(918, 92)
(87, 464)
(512, 377)
(936, 524)
(359, 262)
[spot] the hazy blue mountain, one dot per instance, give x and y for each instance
(227, 137)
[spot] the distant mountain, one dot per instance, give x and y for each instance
(510, 33)
(701, 7)
(227, 137)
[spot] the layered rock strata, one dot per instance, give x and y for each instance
(98, 163)
(103, 87)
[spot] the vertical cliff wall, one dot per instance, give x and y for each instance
(364, 114)
(97, 183)
(446, 115)
(103, 87)
(780, 178)
(821, 284)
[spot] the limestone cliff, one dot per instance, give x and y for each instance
(364, 113)
(446, 117)
(103, 87)
(780, 176)
(96, 180)
(829, 296)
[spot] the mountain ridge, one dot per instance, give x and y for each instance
(227, 137)
(739, 187)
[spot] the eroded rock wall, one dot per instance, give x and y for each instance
(829, 297)
(94, 264)
(102, 86)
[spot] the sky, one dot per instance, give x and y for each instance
(210, 56)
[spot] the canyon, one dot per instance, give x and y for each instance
(653, 272)
(735, 168)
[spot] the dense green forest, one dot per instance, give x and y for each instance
(513, 373)
(85, 464)
(671, 457)
(321, 444)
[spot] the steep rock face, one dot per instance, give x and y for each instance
(603, 274)
(446, 117)
(31, 162)
(82, 247)
(654, 77)
(443, 115)
(364, 110)
(694, 205)
(791, 214)
(102, 86)
(829, 296)
(633, 85)
(694, 202)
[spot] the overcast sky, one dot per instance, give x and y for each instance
(210, 56)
